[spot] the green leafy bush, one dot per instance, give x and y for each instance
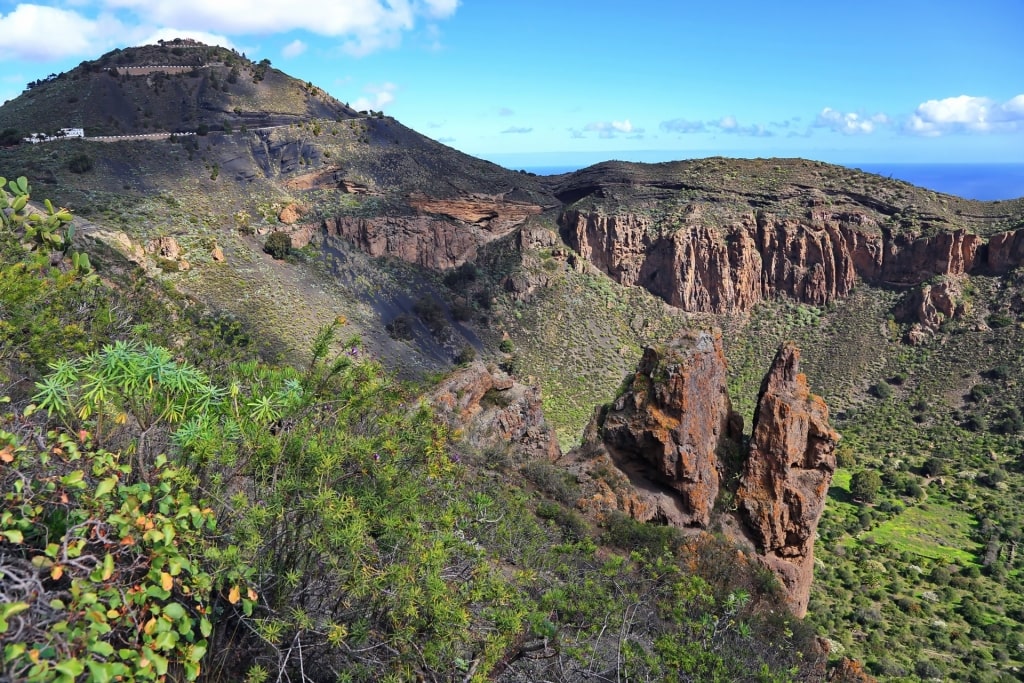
(278, 245)
(865, 485)
(80, 163)
(103, 577)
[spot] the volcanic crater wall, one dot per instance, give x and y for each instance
(701, 267)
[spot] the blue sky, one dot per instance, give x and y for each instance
(566, 82)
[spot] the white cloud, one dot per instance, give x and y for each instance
(609, 129)
(41, 33)
(293, 49)
(682, 126)
(505, 111)
(380, 96)
(850, 123)
(364, 25)
(441, 8)
(966, 114)
(729, 124)
(517, 129)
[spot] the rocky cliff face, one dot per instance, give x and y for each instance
(665, 431)
(662, 449)
(445, 234)
(701, 266)
(787, 474)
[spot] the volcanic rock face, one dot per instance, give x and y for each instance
(926, 307)
(666, 429)
(673, 420)
(787, 474)
(659, 452)
(445, 235)
(428, 242)
(701, 267)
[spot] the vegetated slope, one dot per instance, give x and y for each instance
(913, 347)
(916, 349)
(368, 177)
(125, 92)
(264, 519)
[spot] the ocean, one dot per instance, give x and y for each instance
(986, 182)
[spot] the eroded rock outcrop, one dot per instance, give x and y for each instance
(661, 451)
(495, 410)
(929, 305)
(429, 242)
(703, 265)
(665, 431)
(787, 474)
(493, 213)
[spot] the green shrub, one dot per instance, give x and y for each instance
(999, 320)
(882, 390)
(552, 480)
(278, 244)
(622, 531)
(80, 163)
(10, 137)
(934, 467)
(465, 356)
(865, 485)
(430, 312)
(400, 328)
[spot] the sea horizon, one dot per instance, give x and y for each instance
(979, 181)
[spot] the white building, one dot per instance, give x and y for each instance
(62, 134)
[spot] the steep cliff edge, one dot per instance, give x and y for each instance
(702, 266)
(664, 449)
(719, 235)
(787, 474)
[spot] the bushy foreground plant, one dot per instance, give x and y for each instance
(103, 578)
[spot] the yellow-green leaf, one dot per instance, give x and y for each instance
(14, 536)
(106, 486)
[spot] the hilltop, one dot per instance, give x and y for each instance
(174, 87)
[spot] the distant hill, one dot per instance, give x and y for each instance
(170, 87)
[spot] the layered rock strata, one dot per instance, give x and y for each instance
(445, 234)
(702, 266)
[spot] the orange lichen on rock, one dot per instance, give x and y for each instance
(787, 474)
(665, 431)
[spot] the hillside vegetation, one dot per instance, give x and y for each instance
(218, 464)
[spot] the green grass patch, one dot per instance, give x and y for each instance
(841, 480)
(938, 532)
